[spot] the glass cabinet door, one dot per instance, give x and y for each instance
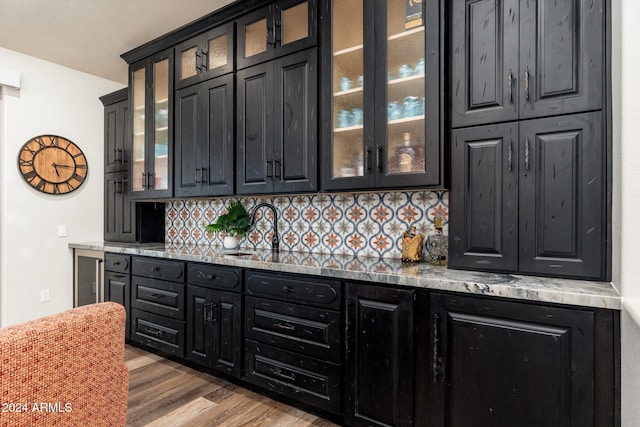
(159, 180)
(138, 82)
(348, 151)
(405, 87)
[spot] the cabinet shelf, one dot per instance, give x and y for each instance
(348, 129)
(406, 120)
(407, 33)
(348, 92)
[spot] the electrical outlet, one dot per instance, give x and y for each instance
(44, 295)
(62, 231)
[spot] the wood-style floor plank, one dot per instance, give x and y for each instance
(164, 393)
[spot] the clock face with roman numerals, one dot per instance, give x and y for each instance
(52, 164)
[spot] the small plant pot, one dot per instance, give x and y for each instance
(230, 242)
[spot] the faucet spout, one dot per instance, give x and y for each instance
(275, 240)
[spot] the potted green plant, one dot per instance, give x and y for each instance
(235, 223)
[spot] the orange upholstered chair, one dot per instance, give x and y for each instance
(65, 370)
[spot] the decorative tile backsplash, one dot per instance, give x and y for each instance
(362, 224)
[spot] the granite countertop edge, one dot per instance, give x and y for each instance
(388, 271)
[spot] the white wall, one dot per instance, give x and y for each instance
(626, 194)
(52, 100)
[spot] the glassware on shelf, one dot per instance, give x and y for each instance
(357, 117)
(420, 66)
(345, 83)
(411, 106)
(404, 71)
(360, 80)
(394, 111)
(344, 118)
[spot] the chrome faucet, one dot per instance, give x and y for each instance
(275, 240)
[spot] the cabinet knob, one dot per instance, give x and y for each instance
(287, 289)
(155, 268)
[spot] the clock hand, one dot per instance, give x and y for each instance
(55, 167)
(66, 166)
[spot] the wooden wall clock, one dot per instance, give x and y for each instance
(52, 164)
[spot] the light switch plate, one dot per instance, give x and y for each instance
(62, 231)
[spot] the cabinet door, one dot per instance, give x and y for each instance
(117, 289)
(296, 25)
(187, 138)
(347, 94)
(407, 143)
(484, 61)
(115, 134)
(483, 226)
(295, 120)
(503, 364)
(254, 116)
(562, 183)
(561, 57)
(119, 209)
(214, 329)
(151, 86)
(379, 356)
(160, 134)
(255, 34)
(217, 141)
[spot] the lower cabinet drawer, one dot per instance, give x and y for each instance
(298, 377)
(310, 331)
(159, 332)
(158, 296)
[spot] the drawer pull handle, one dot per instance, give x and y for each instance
(116, 263)
(155, 296)
(155, 268)
(285, 326)
(279, 373)
(155, 332)
(287, 289)
(211, 277)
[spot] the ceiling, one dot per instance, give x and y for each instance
(90, 35)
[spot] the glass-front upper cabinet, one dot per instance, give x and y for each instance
(205, 56)
(384, 65)
(284, 27)
(151, 94)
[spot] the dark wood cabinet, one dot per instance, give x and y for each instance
(381, 94)
(151, 93)
(293, 337)
(204, 143)
(205, 56)
(379, 356)
(117, 289)
(516, 60)
(117, 284)
(501, 363)
(528, 197)
(284, 27)
(158, 304)
(214, 329)
(276, 118)
(119, 209)
(116, 131)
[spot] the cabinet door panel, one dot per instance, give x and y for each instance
(199, 340)
(561, 57)
(484, 61)
(187, 140)
(561, 188)
(117, 289)
(296, 24)
(255, 34)
(379, 355)
(484, 198)
(503, 364)
(295, 120)
(254, 170)
(227, 321)
(217, 143)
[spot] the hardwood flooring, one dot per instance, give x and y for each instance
(163, 393)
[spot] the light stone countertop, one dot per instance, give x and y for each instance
(385, 270)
